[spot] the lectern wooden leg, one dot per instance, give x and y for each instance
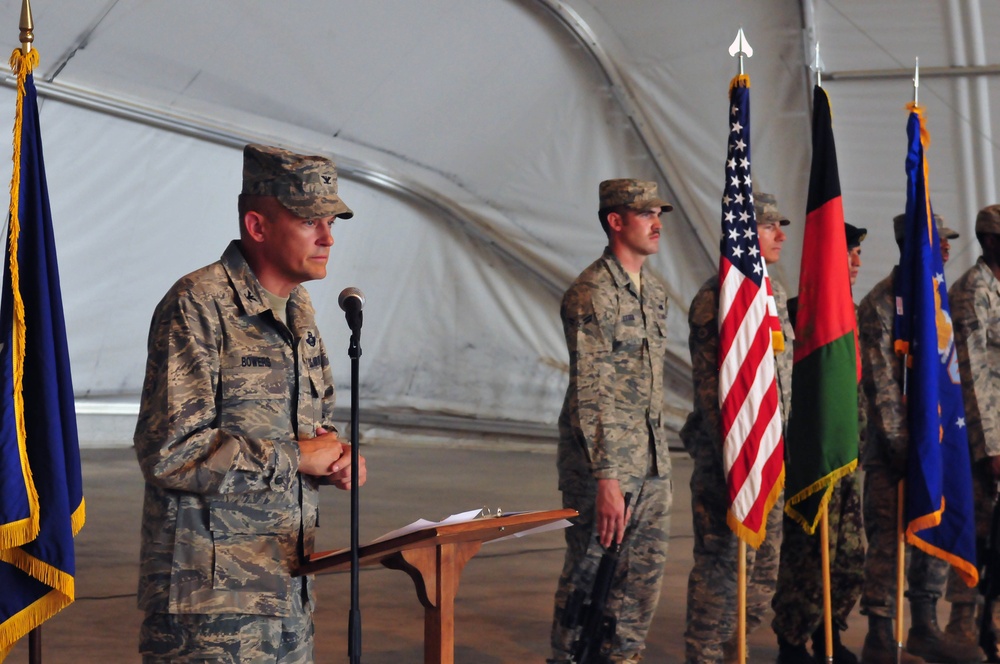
(435, 572)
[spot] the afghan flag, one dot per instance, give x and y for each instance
(821, 444)
(41, 489)
(939, 509)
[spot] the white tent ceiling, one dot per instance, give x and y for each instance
(471, 135)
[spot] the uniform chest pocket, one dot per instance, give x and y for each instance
(993, 332)
(255, 374)
(658, 330)
(629, 332)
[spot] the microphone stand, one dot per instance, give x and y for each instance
(354, 623)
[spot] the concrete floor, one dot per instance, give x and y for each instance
(504, 603)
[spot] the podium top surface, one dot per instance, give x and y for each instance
(476, 530)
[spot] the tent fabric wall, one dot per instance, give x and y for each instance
(471, 137)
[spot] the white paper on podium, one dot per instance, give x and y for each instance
(555, 525)
(420, 524)
(464, 517)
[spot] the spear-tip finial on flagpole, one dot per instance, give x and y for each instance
(27, 27)
(817, 67)
(741, 48)
(916, 81)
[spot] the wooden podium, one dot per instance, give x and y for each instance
(434, 558)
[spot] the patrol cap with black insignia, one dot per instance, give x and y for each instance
(855, 235)
(631, 193)
(765, 209)
(305, 184)
(988, 220)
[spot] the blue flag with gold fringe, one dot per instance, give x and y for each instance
(41, 488)
(939, 509)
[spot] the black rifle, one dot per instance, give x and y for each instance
(587, 611)
(989, 586)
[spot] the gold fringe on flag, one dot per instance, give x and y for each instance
(19, 532)
(739, 81)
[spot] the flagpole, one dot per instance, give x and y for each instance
(901, 487)
(27, 36)
(817, 67)
(27, 27)
(741, 604)
(900, 565)
(824, 533)
(824, 547)
(742, 49)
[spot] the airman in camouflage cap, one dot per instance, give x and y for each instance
(988, 220)
(631, 193)
(235, 431)
(765, 208)
(975, 310)
(899, 230)
(944, 232)
(305, 184)
(614, 317)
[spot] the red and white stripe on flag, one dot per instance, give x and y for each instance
(753, 448)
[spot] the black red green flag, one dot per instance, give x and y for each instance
(821, 444)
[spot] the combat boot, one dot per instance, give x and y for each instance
(790, 653)
(880, 644)
(841, 655)
(962, 623)
(927, 640)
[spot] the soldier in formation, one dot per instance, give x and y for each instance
(710, 635)
(884, 461)
(798, 600)
(611, 434)
(975, 313)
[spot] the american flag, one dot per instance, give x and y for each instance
(753, 451)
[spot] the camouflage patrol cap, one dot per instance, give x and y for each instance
(988, 220)
(899, 229)
(765, 208)
(855, 235)
(630, 193)
(944, 231)
(306, 185)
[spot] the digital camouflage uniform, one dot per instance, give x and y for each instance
(712, 584)
(611, 427)
(975, 314)
(798, 600)
(884, 462)
(228, 391)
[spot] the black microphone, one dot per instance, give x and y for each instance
(352, 301)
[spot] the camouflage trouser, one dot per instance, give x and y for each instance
(230, 638)
(635, 591)
(711, 599)
(798, 600)
(925, 575)
(984, 491)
